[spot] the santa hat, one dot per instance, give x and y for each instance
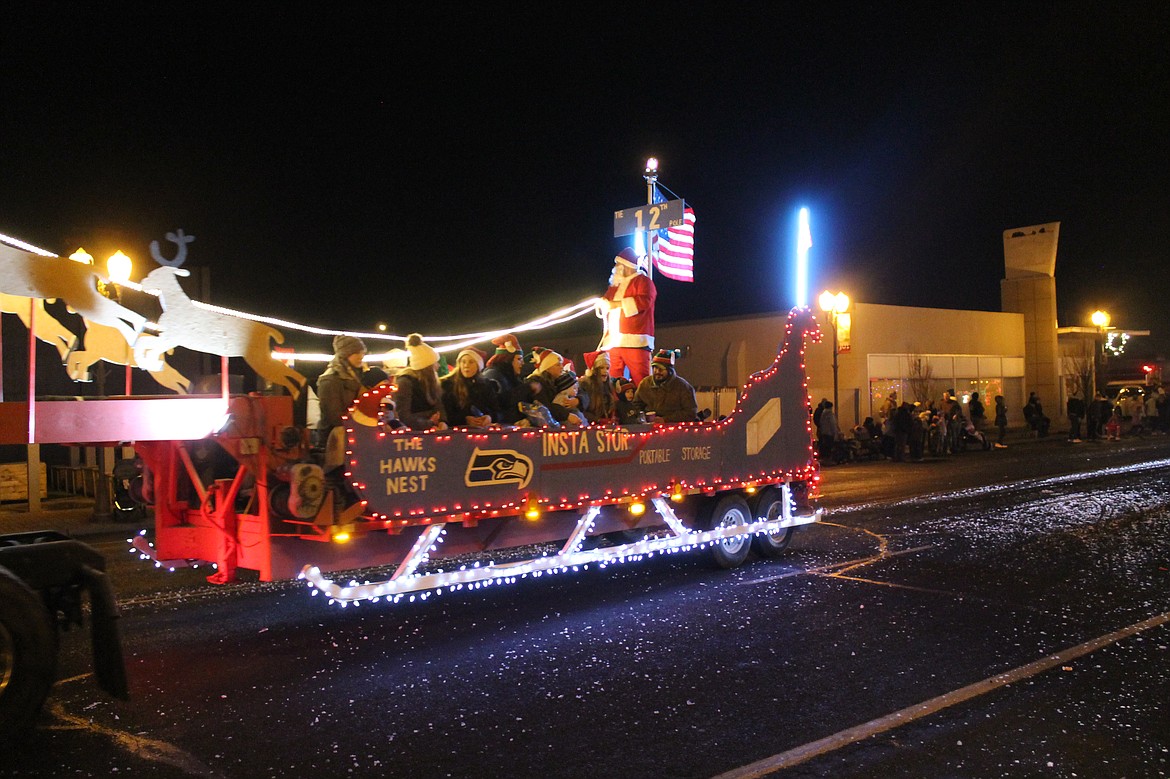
(476, 353)
(544, 358)
(665, 358)
(627, 257)
(564, 381)
(421, 355)
(507, 344)
(593, 358)
(345, 345)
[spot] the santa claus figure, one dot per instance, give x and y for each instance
(627, 309)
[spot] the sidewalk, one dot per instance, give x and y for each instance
(71, 515)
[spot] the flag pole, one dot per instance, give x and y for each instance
(651, 176)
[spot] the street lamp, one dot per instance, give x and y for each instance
(1100, 320)
(834, 305)
(118, 266)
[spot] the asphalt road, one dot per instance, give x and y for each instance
(997, 614)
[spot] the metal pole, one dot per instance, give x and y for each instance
(836, 407)
(33, 459)
(651, 183)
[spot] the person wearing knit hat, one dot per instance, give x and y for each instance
(550, 365)
(628, 409)
(505, 371)
(468, 398)
(567, 389)
(665, 358)
(669, 396)
(419, 398)
(339, 385)
(627, 313)
(597, 392)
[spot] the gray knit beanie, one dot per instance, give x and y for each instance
(345, 345)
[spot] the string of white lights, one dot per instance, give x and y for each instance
(445, 343)
(568, 559)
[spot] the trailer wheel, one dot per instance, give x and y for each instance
(730, 510)
(28, 655)
(769, 504)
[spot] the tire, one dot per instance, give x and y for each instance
(769, 504)
(731, 509)
(28, 656)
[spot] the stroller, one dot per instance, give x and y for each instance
(972, 437)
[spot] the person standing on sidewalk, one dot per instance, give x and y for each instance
(1001, 421)
(975, 409)
(1075, 409)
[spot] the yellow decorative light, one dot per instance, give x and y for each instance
(119, 267)
(82, 256)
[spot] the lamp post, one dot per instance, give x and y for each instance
(1100, 320)
(834, 305)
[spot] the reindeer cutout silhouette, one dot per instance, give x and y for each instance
(32, 276)
(105, 343)
(184, 324)
(46, 327)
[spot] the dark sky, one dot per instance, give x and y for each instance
(447, 170)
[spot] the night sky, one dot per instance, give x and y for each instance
(449, 170)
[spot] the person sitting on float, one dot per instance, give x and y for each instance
(598, 393)
(666, 394)
(568, 389)
(504, 371)
(549, 365)
(419, 398)
(468, 398)
(628, 408)
(340, 384)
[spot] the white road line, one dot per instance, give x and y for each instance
(852, 735)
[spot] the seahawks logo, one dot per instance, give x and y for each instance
(498, 466)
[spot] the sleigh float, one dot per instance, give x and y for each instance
(596, 495)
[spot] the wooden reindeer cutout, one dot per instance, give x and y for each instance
(32, 276)
(47, 327)
(106, 343)
(184, 324)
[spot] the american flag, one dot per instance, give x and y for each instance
(673, 249)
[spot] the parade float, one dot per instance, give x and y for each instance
(556, 499)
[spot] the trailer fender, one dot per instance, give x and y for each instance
(108, 664)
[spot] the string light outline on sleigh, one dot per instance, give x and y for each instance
(407, 583)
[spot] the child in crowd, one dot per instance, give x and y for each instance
(566, 386)
(1113, 426)
(629, 410)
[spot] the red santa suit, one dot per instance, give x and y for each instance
(628, 312)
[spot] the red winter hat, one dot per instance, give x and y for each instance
(507, 344)
(592, 358)
(627, 385)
